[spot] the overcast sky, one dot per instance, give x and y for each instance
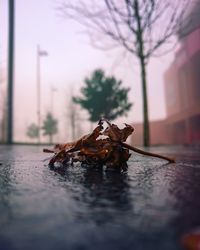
(70, 59)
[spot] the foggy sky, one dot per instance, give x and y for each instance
(71, 58)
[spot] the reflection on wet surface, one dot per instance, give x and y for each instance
(150, 207)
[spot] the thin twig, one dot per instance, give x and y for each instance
(137, 150)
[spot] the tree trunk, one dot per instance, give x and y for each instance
(142, 58)
(50, 138)
(72, 120)
(73, 126)
(146, 135)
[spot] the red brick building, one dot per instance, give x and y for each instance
(182, 93)
(182, 90)
(158, 133)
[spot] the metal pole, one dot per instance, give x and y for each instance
(10, 72)
(38, 90)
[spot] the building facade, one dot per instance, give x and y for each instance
(182, 92)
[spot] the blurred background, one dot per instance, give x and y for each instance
(53, 55)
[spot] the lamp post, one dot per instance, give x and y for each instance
(10, 71)
(39, 54)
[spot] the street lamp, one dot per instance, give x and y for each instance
(40, 53)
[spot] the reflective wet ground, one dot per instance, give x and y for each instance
(150, 207)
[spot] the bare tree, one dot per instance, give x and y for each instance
(73, 115)
(141, 27)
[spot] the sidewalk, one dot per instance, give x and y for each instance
(151, 207)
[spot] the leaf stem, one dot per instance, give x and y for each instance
(137, 150)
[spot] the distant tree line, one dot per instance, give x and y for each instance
(101, 96)
(50, 128)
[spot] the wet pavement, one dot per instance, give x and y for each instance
(150, 207)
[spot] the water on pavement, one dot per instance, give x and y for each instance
(150, 207)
